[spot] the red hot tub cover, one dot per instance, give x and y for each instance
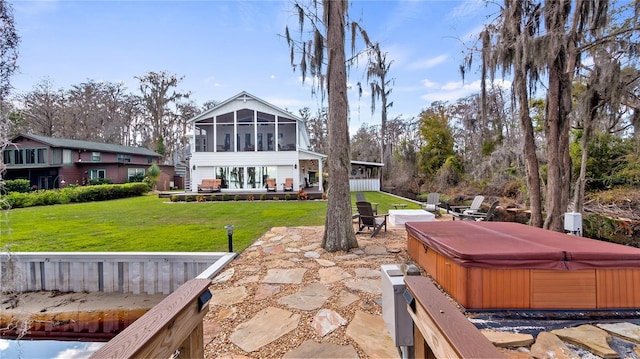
(518, 246)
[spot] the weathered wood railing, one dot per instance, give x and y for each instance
(440, 330)
(175, 324)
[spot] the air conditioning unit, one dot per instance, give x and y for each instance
(394, 306)
(573, 223)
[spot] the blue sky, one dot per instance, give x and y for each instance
(225, 47)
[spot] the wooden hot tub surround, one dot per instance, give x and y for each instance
(505, 265)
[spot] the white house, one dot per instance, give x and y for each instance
(245, 140)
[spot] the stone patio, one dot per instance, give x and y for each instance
(285, 297)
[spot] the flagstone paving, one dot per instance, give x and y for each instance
(285, 297)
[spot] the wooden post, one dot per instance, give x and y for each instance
(445, 330)
(175, 323)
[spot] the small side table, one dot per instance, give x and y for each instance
(399, 205)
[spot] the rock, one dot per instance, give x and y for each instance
(367, 273)
(371, 333)
(326, 321)
(310, 297)
(333, 274)
(549, 346)
(265, 291)
(224, 276)
(325, 263)
(284, 276)
(589, 337)
(364, 285)
(266, 326)
(311, 349)
(506, 340)
(312, 254)
(627, 331)
(228, 296)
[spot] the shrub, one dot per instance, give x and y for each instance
(263, 196)
(75, 194)
(99, 181)
(174, 198)
(138, 177)
(275, 198)
(250, 197)
(200, 198)
(17, 185)
(188, 198)
(225, 197)
(236, 197)
(287, 197)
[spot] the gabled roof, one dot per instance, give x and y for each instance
(243, 95)
(89, 145)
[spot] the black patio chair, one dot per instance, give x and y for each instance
(367, 219)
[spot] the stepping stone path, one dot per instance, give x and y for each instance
(285, 297)
(285, 284)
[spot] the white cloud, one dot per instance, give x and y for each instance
(430, 62)
(454, 90)
(429, 84)
(4, 344)
(452, 85)
(79, 353)
(465, 9)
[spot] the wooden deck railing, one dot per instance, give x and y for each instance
(175, 324)
(440, 330)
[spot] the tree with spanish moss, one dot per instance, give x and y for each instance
(532, 39)
(328, 39)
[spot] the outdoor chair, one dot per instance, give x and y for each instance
(474, 207)
(288, 184)
(271, 184)
(433, 203)
(360, 198)
(479, 216)
(366, 219)
(210, 185)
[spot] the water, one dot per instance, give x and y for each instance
(46, 349)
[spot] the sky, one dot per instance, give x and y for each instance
(222, 48)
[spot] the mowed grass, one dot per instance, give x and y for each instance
(152, 224)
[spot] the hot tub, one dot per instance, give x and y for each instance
(505, 265)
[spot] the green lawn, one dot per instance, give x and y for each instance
(150, 223)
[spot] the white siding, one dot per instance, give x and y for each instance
(360, 185)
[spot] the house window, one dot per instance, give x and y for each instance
(96, 156)
(56, 156)
(67, 157)
(6, 156)
(135, 174)
(121, 157)
(149, 159)
(42, 155)
(98, 174)
(18, 157)
(30, 156)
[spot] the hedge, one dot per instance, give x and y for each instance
(73, 194)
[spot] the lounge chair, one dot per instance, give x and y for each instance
(474, 207)
(433, 203)
(479, 216)
(366, 219)
(271, 184)
(288, 184)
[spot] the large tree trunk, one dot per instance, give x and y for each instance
(558, 107)
(531, 159)
(338, 231)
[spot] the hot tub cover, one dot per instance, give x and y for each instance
(518, 246)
